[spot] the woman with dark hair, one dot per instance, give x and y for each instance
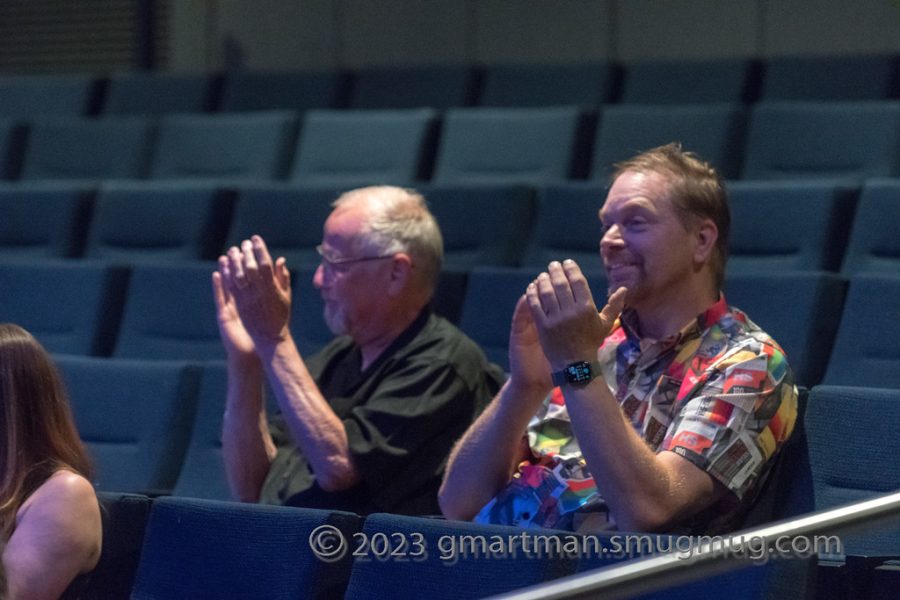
(49, 514)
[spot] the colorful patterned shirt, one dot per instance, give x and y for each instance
(718, 393)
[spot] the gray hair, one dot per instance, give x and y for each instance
(399, 221)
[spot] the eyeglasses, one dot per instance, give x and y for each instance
(332, 262)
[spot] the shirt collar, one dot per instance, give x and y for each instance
(692, 328)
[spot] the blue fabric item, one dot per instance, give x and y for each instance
(28, 96)
(865, 350)
(830, 78)
(508, 145)
(281, 90)
(681, 82)
(355, 148)
(43, 221)
(795, 140)
(209, 550)
(135, 418)
(88, 149)
(786, 225)
(69, 307)
(156, 93)
(413, 87)
(153, 222)
(853, 449)
(713, 131)
(875, 237)
(234, 146)
(583, 84)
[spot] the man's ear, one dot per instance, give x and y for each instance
(706, 236)
(401, 274)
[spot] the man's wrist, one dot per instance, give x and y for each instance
(576, 373)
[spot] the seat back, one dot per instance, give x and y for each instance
(28, 96)
(135, 418)
(205, 549)
(788, 225)
(831, 78)
(853, 453)
(76, 148)
(355, 148)
(567, 225)
(799, 310)
(448, 559)
(281, 90)
(12, 146)
(170, 314)
(875, 237)
(713, 131)
(238, 146)
(793, 140)
(70, 307)
(509, 145)
(413, 87)
(157, 222)
(677, 82)
(156, 93)
(865, 350)
(585, 84)
(43, 221)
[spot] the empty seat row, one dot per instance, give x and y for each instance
(467, 145)
(588, 84)
(777, 225)
(199, 548)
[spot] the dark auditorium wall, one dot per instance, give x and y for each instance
(352, 33)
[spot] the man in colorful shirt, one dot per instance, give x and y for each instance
(671, 425)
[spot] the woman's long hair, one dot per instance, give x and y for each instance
(37, 432)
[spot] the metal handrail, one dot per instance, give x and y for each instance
(662, 571)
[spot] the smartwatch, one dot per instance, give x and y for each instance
(578, 373)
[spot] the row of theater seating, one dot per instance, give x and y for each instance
(835, 226)
(843, 451)
(589, 84)
(771, 140)
(830, 331)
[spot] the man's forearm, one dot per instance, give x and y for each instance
(247, 447)
(314, 426)
(483, 460)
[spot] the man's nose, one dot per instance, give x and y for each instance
(611, 237)
(319, 277)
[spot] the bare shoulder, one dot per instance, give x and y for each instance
(64, 490)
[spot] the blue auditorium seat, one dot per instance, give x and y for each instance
(70, 307)
(491, 296)
(43, 221)
(29, 96)
(209, 550)
(439, 565)
(234, 146)
(510, 145)
(783, 225)
(124, 520)
(413, 87)
(585, 84)
(865, 351)
(290, 220)
(156, 93)
(800, 310)
(794, 140)
(853, 449)
(135, 418)
(714, 131)
(12, 142)
(875, 237)
(567, 225)
(482, 225)
(684, 82)
(169, 314)
(355, 148)
(152, 222)
(88, 149)
(831, 78)
(281, 90)
(307, 321)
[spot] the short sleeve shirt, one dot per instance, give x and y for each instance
(718, 393)
(401, 414)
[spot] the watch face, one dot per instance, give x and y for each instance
(579, 372)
